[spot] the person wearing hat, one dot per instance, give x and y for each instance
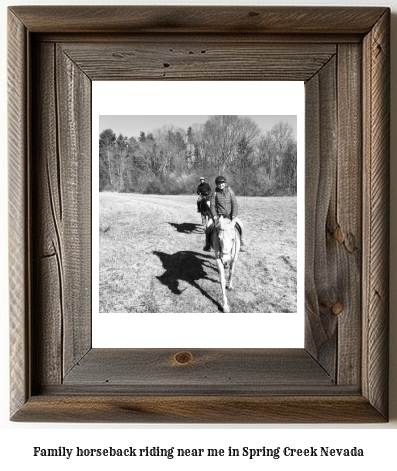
(203, 190)
(223, 203)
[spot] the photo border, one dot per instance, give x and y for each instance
(112, 100)
(342, 374)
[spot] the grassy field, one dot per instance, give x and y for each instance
(151, 257)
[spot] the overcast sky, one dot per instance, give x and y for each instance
(131, 126)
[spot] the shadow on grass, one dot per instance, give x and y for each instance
(185, 266)
(186, 227)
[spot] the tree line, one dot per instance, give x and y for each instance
(170, 160)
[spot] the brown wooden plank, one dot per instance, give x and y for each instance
(254, 390)
(347, 226)
(231, 369)
(376, 92)
(199, 409)
(47, 266)
(199, 19)
(47, 331)
(73, 109)
(18, 224)
(63, 216)
(314, 333)
(214, 60)
(158, 38)
(320, 271)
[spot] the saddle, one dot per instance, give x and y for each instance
(210, 227)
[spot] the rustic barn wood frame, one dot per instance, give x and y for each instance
(342, 55)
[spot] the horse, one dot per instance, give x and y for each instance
(204, 207)
(225, 241)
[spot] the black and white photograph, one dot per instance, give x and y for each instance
(154, 181)
(198, 213)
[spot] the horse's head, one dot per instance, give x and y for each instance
(226, 234)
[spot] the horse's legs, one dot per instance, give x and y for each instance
(221, 270)
(230, 279)
(233, 265)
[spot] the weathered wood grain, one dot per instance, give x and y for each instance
(346, 228)
(199, 409)
(206, 60)
(18, 223)
(376, 105)
(48, 244)
(199, 19)
(155, 39)
(228, 369)
(321, 277)
(62, 208)
(74, 141)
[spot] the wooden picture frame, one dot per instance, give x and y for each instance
(342, 54)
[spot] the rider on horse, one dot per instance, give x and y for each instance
(223, 203)
(203, 190)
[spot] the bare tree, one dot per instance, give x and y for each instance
(120, 160)
(274, 145)
(107, 139)
(277, 155)
(168, 159)
(221, 138)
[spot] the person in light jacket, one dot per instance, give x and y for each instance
(223, 202)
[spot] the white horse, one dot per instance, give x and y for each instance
(225, 240)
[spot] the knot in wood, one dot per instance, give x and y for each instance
(337, 308)
(338, 235)
(183, 358)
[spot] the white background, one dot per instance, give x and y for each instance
(378, 441)
(252, 330)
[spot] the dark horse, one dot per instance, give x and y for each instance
(204, 207)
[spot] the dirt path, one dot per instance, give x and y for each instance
(151, 257)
